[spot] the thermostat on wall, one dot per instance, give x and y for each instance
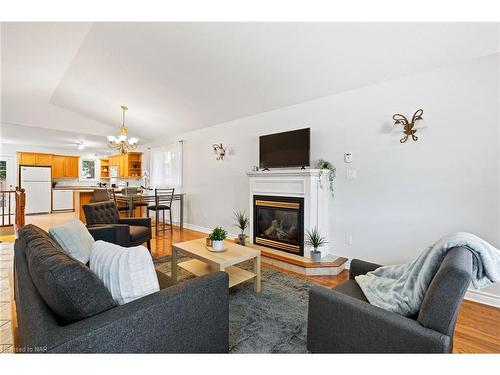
(348, 157)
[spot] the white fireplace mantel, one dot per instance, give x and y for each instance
(310, 184)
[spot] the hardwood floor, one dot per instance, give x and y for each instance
(477, 329)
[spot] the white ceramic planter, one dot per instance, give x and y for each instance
(218, 245)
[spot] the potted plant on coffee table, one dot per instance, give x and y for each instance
(242, 223)
(315, 240)
(218, 236)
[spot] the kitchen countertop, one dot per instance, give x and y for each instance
(79, 188)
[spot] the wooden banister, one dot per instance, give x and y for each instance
(20, 206)
(10, 215)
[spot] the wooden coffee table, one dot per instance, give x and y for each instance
(206, 261)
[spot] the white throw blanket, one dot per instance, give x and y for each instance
(401, 288)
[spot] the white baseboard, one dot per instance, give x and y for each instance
(204, 229)
(197, 228)
(483, 297)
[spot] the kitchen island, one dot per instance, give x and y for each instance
(83, 195)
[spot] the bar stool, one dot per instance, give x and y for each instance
(134, 191)
(163, 202)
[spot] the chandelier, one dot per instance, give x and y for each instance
(122, 143)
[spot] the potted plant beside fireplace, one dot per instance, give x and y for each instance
(218, 236)
(315, 240)
(242, 223)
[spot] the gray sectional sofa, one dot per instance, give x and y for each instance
(62, 307)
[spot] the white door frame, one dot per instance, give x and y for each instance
(8, 184)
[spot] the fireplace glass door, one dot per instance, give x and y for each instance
(279, 223)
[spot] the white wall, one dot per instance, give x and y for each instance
(407, 195)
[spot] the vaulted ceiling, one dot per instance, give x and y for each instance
(73, 77)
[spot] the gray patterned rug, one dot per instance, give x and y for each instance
(274, 321)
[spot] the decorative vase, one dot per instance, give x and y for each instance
(242, 238)
(218, 245)
(316, 256)
(209, 242)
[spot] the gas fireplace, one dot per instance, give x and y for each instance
(279, 223)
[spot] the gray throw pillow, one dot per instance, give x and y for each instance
(74, 238)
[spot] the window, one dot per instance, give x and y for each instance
(3, 176)
(166, 166)
(87, 170)
(3, 170)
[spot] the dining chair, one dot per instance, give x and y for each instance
(134, 191)
(120, 207)
(101, 195)
(163, 202)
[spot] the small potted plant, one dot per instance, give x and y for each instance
(218, 236)
(332, 171)
(314, 239)
(242, 223)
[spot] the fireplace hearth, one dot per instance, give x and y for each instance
(279, 223)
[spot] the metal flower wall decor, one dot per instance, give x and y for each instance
(408, 126)
(219, 150)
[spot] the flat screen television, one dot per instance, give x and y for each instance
(285, 150)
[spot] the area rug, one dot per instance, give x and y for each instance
(273, 321)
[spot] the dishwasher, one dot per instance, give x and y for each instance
(62, 200)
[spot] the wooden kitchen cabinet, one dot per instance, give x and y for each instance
(58, 162)
(71, 166)
(129, 165)
(64, 166)
(34, 159)
(26, 158)
(44, 159)
(123, 166)
(105, 168)
(134, 164)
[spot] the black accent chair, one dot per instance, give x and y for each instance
(104, 223)
(341, 320)
(163, 202)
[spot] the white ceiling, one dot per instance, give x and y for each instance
(50, 138)
(182, 76)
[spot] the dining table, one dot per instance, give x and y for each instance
(148, 196)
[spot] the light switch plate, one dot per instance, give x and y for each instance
(351, 174)
(348, 157)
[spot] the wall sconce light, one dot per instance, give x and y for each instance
(408, 127)
(219, 150)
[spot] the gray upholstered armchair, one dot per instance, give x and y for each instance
(341, 320)
(104, 223)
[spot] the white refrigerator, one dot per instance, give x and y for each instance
(36, 181)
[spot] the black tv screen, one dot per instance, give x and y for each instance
(288, 149)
